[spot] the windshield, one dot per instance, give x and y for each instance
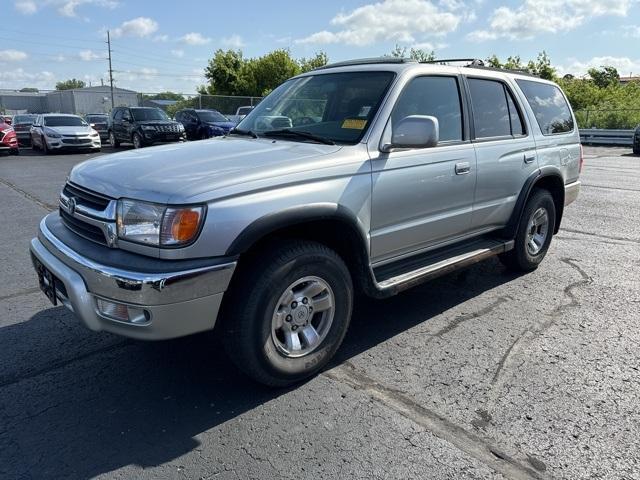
(211, 116)
(244, 110)
(64, 122)
(97, 118)
(336, 106)
(24, 119)
(142, 114)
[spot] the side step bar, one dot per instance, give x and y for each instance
(394, 279)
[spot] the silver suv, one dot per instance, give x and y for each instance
(368, 176)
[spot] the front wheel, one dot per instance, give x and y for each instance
(45, 147)
(636, 149)
(288, 312)
(534, 233)
(113, 140)
(137, 141)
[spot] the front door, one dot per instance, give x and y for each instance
(424, 197)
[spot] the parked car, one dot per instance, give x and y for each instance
(8, 139)
(636, 141)
(143, 126)
(58, 131)
(22, 125)
(241, 112)
(201, 124)
(8, 119)
(100, 123)
(412, 171)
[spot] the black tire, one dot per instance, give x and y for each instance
(520, 258)
(254, 297)
(113, 140)
(137, 143)
(45, 148)
(34, 146)
(636, 149)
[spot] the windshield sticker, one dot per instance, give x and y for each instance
(354, 123)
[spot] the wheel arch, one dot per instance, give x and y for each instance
(550, 179)
(332, 225)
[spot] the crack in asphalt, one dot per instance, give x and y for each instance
(27, 195)
(598, 235)
(465, 317)
(468, 442)
(21, 293)
(611, 188)
(539, 327)
(9, 380)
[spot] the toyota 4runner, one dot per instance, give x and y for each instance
(368, 176)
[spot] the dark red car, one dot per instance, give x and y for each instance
(8, 139)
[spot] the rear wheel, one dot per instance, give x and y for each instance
(534, 233)
(636, 149)
(137, 141)
(288, 313)
(113, 140)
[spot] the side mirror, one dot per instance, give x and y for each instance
(414, 131)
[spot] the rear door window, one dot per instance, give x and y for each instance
(490, 109)
(549, 106)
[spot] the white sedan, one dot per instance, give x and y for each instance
(57, 131)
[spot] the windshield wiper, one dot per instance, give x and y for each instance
(247, 133)
(287, 132)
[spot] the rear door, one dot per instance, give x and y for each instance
(505, 151)
(424, 197)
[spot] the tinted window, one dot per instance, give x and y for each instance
(21, 119)
(517, 125)
(144, 114)
(549, 106)
(97, 118)
(211, 116)
(117, 115)
(435, 96)
(490, 110)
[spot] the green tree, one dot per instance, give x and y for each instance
(541, 67)
(164, 96)
(418, 54)
(70, 84)
(605, 76)
(223, 72)
(320, 59)
(29, 90)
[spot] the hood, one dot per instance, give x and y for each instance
(156, 122)
(77, 130)
(176, 173)
(223, 125)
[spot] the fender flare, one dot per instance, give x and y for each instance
(534, 179)
(291, 217)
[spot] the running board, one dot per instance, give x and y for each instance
(395, 278)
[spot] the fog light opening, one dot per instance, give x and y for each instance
(121, 312)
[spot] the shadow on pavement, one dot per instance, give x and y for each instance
(131, 403)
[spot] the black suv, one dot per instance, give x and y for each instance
(201, 124)
(636, 141)
(143, 126)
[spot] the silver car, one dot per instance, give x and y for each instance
(57, 131)
(377, 175)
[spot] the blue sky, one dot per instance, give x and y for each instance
(165, 45)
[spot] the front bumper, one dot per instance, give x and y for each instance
(162, 137)
(571, 191)
(174, 303)
(93, 143)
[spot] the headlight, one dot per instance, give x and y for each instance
(51, 133)
(148, 127)
(180, 127)
(158, 225)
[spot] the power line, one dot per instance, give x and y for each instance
(153, 58)
(40, 34)
(158, 74)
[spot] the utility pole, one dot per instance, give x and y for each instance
(110, 70)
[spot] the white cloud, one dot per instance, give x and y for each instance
(177, 53)
(161, 38)
(195, 38)
(534, 17)
(137, 27)
(26, 7)
(397, 20)
(12, 55)
(233, 41)
(631, 31)
(624, 65)
(19, 78)
(88, 55)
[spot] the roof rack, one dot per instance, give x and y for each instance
(478, 63)
(365, 61)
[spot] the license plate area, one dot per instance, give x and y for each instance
(46, 280)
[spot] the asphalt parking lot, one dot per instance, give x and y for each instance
(479, 374)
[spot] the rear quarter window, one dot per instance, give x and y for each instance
(549, 106)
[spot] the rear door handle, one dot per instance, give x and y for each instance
(463, 168)
(529, 158)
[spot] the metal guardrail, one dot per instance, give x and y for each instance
(599, 136)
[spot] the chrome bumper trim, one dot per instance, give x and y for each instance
(135, 287)
(571, 191)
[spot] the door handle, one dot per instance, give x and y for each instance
(529, 158)
(463, 168)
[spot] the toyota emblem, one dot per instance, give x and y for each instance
(72, 205)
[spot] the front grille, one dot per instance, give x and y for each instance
(168, 128)
(90, 232)
(85, 197)
(75, 141)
